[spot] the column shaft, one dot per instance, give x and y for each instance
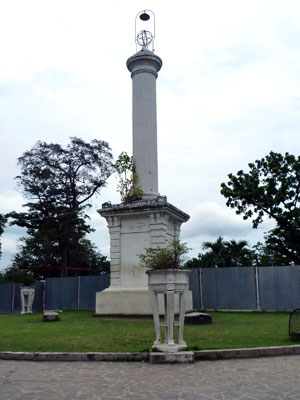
(144, 127)
(144, 67)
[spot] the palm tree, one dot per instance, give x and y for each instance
(239, 254)
(227, 254)
(218, 255)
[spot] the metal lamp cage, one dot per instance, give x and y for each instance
(294, 324)
(145, 19)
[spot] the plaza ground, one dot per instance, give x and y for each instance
(269, 378)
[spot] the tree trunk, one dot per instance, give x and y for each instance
(64, 268)
(64, 265)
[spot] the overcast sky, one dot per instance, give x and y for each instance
(228, 93)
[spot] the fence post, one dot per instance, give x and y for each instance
(78, 292)
(201, 288)
(13, 290)
(44, 294)
(257, 294)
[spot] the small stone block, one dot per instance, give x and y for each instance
(172, 358)
(50, 316)
(197, 318)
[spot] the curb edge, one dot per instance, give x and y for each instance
(200, 355)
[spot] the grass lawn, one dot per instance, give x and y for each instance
(78, 331)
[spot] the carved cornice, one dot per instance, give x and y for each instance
(143, 206)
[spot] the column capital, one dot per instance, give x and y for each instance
(144, 61)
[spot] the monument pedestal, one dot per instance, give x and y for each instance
(133, 301)
(133, 227)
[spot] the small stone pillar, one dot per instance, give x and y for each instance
(168, 282)
(27, 297)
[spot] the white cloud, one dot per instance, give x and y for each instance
(9, 245)
(11, 201)
(213, 220)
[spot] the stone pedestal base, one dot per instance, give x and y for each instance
(169, 348)
(132, 301)
(133, 227)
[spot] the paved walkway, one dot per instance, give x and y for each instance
(247, 379)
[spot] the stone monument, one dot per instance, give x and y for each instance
(150, 221)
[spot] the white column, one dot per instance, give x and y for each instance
(144, 66)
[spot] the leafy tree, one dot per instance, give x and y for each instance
(43, 259)
(13, 274)
(204, 260)
(236, 254)
(58, 182)
(271, 189)
(193, 262)
(3, 220)
(88, 255)
(262, 256)
(127, 187)
(41, 248)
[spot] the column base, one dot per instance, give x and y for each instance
(132, 301)
(169, 348)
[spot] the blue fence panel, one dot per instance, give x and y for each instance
(229, 288)
(89, 286)
(17, 300)
(279, 288)
(195, 287)
(6, 292)
(210, 288)
(222, 288)
(38, 298)
(61, 294)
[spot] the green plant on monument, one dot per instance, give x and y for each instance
(127, 187)
(170, 257)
